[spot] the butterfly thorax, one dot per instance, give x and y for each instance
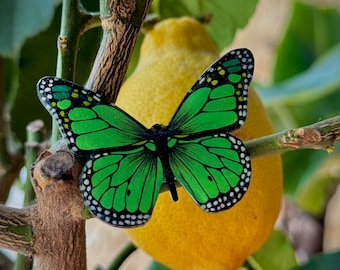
(164, 138)
(161, 140)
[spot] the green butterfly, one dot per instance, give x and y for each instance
(127, 163)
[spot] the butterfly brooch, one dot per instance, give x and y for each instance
(127, 163)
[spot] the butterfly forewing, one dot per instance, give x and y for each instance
(214, 170)
(87, 122)
(218, 99)
(121, 187)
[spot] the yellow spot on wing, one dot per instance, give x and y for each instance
(141, 142)
(180, 136)
(214, 82)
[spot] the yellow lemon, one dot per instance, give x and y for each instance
(180, 235)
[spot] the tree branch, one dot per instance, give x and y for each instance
(34, 143)
(121, 21)
(321, 135)
(58, 227)
(16, 230)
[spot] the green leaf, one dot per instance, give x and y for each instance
(277, 253)
(37, 59)
(22, 19)
(311, 31)
(154, 265)
(321, 79)
(313, 195)
(227, 15)
(326, 261)
(299, 167)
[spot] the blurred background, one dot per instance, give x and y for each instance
(296, 45)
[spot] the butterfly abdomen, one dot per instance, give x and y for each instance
(162, 143)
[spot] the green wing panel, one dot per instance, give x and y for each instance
(87, 122)
(218, 100)
(214, 170)
(121, 187)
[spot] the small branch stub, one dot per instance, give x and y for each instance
(301, 137)
(321, 135)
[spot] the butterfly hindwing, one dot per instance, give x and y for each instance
(121, 187)
(218, 99)
(214, 170)
(85, 118)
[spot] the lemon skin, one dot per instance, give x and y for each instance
(179, 234)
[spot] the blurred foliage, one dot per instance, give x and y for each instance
(310, 33)
(281, 257)
(38, 58)
(292, 104)
(226, 16)
(326, 261)
(305, 89)
(22, 19)
(154, 265)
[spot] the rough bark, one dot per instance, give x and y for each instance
(15, 229)
(58, 227)
(121, 23)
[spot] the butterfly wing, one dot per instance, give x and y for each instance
(87, 122)
(121, 187)
(212, 165)
(214, 170)
(218, 100)
(122, 177)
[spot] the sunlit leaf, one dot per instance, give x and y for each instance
(311, 31)
(277, 253)
(227, 15)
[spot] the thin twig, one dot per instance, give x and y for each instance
(121, 257)
(35, 135)
(321, 135)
